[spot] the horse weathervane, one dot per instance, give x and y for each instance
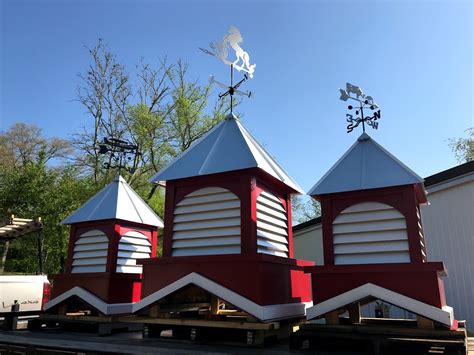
(364, 101)
(232, 39)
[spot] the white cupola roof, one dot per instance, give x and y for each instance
(366, 165)
(227, 147)
(117, 200)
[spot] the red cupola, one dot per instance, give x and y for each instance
(228, 227)
(374, 247)
(109, 233)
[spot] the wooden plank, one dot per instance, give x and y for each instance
(207, 191)
(62, 309)
(80, 318)
(207, 251)
(206, 242)
(369, 226)
(214, 304)
(200, 216)
(367, 206)
(154, 310)
(332, 318)
(263, 200)
(385, 330)
(217, 206)
(424, 323)
(369, 216)
(372, 247)
(199, 323)
(208, 233)
(354, 313)
(365, 237)
(206, 224)
(207, 199)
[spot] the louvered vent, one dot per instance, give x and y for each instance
(370, 233)
(132, 246)
(90, 252)
(422, 236)
(207, 222)
(272, 225)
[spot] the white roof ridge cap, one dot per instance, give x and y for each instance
(279, 171)
(246, 135)
(126, 187)
(131, 191)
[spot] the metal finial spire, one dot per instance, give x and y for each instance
(219, 49)
(364, 101)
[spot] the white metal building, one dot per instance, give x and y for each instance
(448, 223)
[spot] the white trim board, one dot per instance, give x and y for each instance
(444, 316)
(264, 313)
(91, 299)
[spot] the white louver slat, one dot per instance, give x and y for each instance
(272, 225)
(132, 246)
(90, 252)
(207, 222)
(370, 233)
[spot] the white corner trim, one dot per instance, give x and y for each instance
(444, 316)
(264, 313)
(91, 299)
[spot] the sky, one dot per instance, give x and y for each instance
(414, 57)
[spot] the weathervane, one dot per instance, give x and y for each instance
(219, 49)
(120, 153)
(364, 101)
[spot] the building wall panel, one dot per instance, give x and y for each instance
(449, 232)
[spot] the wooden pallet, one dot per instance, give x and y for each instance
(213, 331)
(379, 339)
(100, 325)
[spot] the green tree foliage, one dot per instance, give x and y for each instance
(35, 190)
(463, 148)
(304, 209)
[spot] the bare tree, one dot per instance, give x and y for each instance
(21, 144)
(163, 113)
(105, 94)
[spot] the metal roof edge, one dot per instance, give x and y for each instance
(451, 173)
(312, 222)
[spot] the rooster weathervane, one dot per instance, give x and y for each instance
(233, 39)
